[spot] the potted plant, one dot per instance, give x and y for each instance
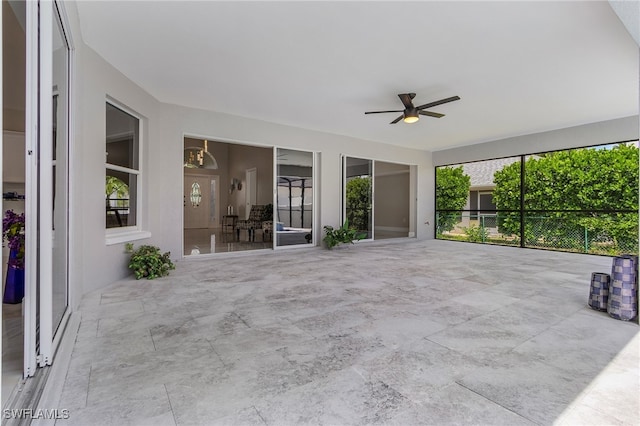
(342, 235)
(13, 225)
(148, 262)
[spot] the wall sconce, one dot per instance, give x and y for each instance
(235, 184)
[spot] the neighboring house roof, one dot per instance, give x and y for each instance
(481, 172)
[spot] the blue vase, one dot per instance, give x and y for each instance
(14, 284)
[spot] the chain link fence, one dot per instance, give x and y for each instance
(608, 234)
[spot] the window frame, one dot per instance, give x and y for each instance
(128, 233)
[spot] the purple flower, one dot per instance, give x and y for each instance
(13, 230)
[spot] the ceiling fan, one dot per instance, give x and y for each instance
(410, 113)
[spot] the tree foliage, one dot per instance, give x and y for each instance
(452, 191)
(116, 188)
(358, 194)
(579, 179)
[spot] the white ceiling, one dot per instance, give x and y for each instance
(519, 67)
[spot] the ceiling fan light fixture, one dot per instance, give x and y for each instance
(411, 116)
(411, 113)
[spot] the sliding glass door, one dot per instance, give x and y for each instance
(60, 172)
(294, 213)
(47, 184)
(377, 198)
(392, 207)
(358, 194)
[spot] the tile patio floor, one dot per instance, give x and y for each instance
(410, 332)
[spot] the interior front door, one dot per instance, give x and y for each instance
(197, 201)
(252, 191)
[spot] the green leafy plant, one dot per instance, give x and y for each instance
(342, 235)
(358, 199)
(476, 234)
(576, 187)
(147, 262)
(452, 191)
(117, 190)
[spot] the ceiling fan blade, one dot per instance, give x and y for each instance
(406, 99)
(397, 119)
(431, 114)
(440, 102)
(382, 112)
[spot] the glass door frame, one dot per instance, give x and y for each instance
(57, 329)
(30, 306)
(343, 216)
(40, 338)
(412, 192)
(315, 215)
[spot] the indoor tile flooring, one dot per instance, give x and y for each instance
(12, 349)
(200, 241)
(398, 332)
(12, 341)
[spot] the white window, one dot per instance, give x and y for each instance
(123, 174)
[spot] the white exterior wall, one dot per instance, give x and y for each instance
(226, 128)
(97, 80)
(95, 264)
